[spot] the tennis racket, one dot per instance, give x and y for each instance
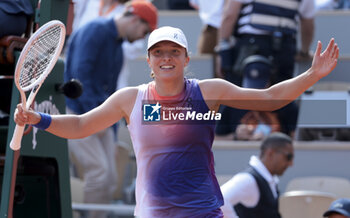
(35, 62)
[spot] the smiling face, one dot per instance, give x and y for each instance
(167, 60)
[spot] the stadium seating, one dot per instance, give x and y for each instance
(337, 186)
(304, 204)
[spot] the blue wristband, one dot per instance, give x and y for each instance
(44, 122)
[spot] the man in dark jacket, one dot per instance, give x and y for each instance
(14, 15)
(254, 192)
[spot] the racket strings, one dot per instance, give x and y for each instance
(39, 56)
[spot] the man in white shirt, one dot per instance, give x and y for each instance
(210, 12)
(253, 192)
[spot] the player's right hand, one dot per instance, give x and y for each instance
(22, 116)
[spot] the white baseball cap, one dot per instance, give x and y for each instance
(167, 33)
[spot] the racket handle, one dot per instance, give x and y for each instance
(15, 143)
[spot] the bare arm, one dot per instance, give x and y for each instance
(194, 4)
(307, 33)
(278, 95)
(224, 42)
(78, 126)
(229, 18)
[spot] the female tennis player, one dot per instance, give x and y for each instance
(171, 123)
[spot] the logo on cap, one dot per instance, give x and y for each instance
(338, 205)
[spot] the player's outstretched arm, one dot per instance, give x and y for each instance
(325, 62)
(322, 64)
(65, 126)
(78, 126)
(277, 95)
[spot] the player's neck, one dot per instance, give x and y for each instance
(169, 88)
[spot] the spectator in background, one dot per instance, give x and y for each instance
(179, 5)
(87, 10)
(257, 40)
(256, 125)
(210, 13)
(339, 208)
(254, 192)
(95, 57)
(14, 16)
(326, 4)
(332, 4)
(344, 4)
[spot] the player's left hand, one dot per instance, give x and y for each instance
(323, 63)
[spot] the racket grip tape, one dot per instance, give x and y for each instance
(15, 143)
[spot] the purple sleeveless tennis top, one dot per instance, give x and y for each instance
(175, 165)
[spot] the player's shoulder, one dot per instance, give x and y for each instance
(124, 98)
(128, 92)
(213, 88)
(211, 82)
